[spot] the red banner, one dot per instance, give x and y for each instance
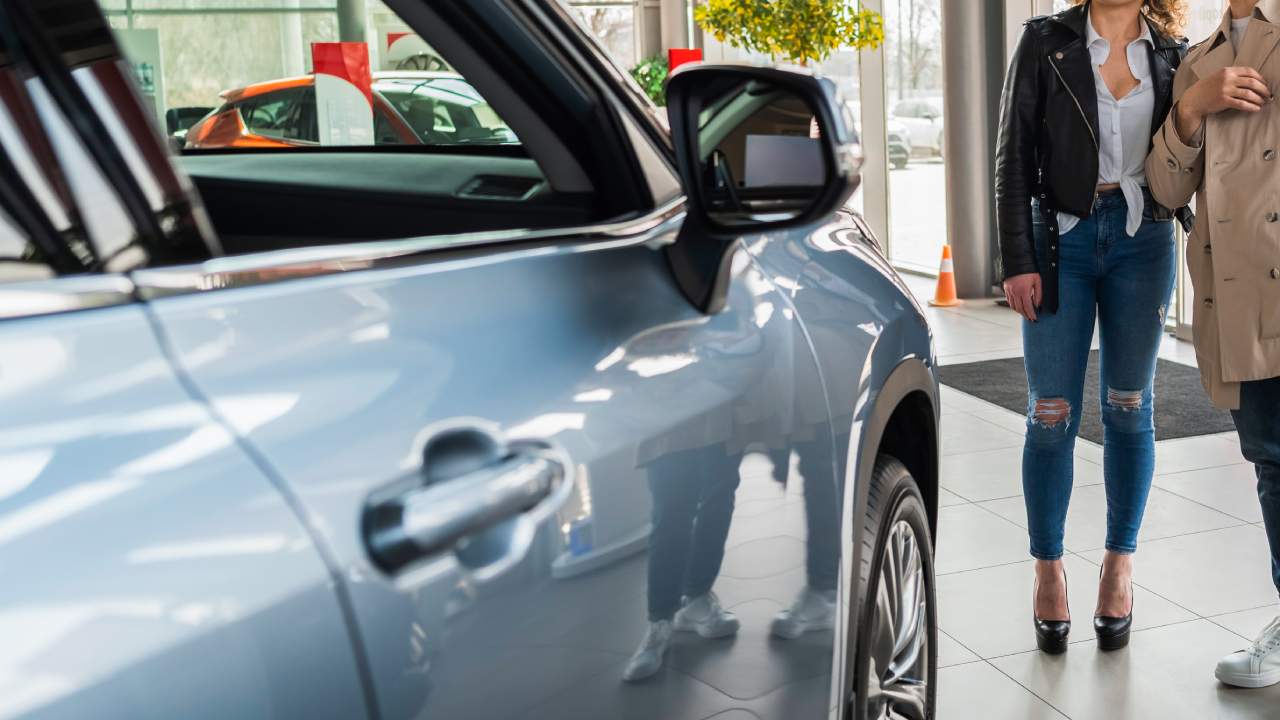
(345, 60)
(679, 56)
(344, 93)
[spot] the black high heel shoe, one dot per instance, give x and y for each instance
(1051, 635)
(1113, 632)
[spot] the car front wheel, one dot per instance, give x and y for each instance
(897, 657)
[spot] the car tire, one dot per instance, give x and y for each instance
(896, 651)
(899, 163)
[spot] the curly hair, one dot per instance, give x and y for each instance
(1169, 16)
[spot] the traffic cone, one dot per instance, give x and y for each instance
(945, 296)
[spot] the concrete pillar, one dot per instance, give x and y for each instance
(875, 147)
(352, 20)
(675, 24)
(296, 57)
(973, 65)
(649, 19)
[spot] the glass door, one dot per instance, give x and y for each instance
(916, 151)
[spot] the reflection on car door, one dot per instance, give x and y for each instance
(518, 455)
(149, 568)
(363, 378)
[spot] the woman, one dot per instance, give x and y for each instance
(1082, 241)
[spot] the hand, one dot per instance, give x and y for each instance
(1024, 293)
(1231, 88)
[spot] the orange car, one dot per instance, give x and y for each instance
(409, 108)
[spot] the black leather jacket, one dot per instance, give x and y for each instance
(1047, 147)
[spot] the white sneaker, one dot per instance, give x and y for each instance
(649, 656)
(705, 616)
(1255, 667)
(813, 610)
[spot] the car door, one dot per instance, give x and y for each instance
(150, 568)
(488, 433)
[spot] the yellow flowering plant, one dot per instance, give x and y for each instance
(799, 31)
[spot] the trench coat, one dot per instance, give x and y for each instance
(1233, 253)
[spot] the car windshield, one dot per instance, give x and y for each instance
(445, 110)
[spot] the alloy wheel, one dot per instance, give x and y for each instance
(898, 678)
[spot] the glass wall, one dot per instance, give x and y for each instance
(615, 24)
(916, 147)
(208, 46)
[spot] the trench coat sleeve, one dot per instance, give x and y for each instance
(1174, 168)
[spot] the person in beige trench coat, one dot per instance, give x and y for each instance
(1222, 144)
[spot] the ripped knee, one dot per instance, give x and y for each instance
(1127, 411)
(1126, 400)
(1050, 413)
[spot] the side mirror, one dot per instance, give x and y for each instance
(759, 150)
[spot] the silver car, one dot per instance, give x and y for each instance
(615, 423)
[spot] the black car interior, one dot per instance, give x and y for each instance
(275, 199)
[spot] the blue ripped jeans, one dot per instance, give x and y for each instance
(1124, 283)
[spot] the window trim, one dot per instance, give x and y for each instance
(70, 293)
(656, 228)
(75, 293)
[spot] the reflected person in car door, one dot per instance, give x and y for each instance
(693, 474)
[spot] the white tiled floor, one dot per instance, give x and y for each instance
(1203, 587)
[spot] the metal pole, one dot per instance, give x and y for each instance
(351, 20)
(973, 72)
(901, 50)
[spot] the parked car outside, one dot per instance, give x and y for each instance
(410, 108)
(922, 118)
(897, 135)
(899, 144)
(618, 421)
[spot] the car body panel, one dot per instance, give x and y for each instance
(863, 325)
(591, 348)
(149, 568)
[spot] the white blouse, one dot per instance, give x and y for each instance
(1124, 126)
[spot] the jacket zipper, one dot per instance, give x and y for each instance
(1079, 107)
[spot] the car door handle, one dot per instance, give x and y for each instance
(485, 483)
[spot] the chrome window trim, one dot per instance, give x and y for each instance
(657, 228)
(65, 294)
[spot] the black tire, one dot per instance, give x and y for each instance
(899, 163)
(893, 498)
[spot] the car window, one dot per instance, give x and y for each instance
(274, 115)
(445, 111)
(259, 68)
